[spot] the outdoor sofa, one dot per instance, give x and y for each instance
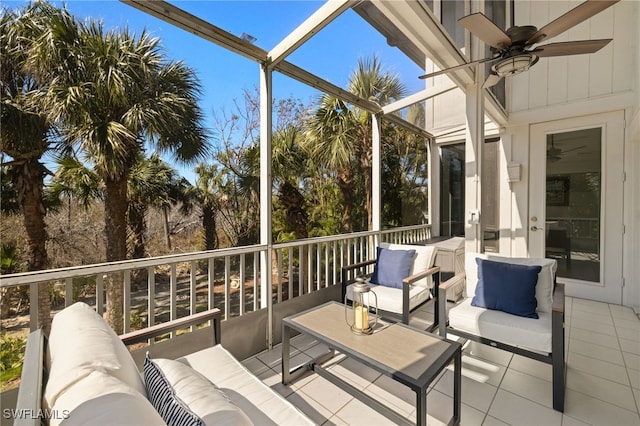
(83, 374)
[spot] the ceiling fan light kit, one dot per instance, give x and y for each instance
(516, 49)
(515, 64)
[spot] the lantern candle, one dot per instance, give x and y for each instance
(362, 318)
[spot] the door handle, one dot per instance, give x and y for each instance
(535, 228)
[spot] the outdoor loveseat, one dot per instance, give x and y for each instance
(83, 374)
(512, 304)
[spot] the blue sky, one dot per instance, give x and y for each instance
(331, 54)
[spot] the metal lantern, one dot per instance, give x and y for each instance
(359, 318)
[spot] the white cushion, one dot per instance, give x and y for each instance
(81, 342)
(529, 333)
(424, 259)
(259, 402)
(102, 400)
(544, 287)
(390, 298)
(201, 397)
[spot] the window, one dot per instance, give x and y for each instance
(452, 10)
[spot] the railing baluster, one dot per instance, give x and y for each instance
(301, 275)
(151, 293)
(126, 302)
(227, 287)
(173, 292)
(278, 254)
(100, 294)
(211, 283)
(256, 284)
(290, 272)
(193, 290)
(33, 306)
(68, 292)
(241, 287)
(318, 265)
(310, 269)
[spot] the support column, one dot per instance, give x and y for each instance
(376, 175)
(266, 115)
(473, 166)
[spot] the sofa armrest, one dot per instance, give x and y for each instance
(31, 389)
(558, 298)
(145, 334)
(442, 301)
(406, 288)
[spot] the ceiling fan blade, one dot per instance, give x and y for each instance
(491, 81)
(486, 30)
(570, 19)
(570, 48)
(457, 67)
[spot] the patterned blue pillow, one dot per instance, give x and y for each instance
(507, 287)
(392, 266)
(172, 410)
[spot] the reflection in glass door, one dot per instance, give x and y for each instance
(573, 194)
(452, 190)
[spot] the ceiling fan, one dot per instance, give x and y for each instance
(555, 153)
(514, 51)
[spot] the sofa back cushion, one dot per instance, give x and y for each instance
(99, 399)
(392, 266)
(81, 342)
(544, 286)
(424, 259)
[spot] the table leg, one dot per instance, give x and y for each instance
(457, 387)
(286, 354)
(421, 407)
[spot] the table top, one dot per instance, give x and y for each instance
(409, 355)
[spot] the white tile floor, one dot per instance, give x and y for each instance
(498, 388)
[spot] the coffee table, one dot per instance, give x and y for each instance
(409, 356)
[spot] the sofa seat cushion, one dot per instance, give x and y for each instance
(529, 333)
(259, 402)
(81, 342)
(390, 298)
(100, 399)
(177, 390)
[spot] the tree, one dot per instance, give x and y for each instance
(113, 93)
(152, 183)
(340, 137)
(207, 193)
(26, 128)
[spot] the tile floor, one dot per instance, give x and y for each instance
(498, 388)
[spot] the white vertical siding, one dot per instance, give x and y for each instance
(559, 80)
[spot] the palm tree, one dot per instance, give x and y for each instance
(113, 93)
(26, 130)
(289, 166)
(207, 193)
(152, 183)
(340, 137)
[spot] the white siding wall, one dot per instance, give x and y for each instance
(561, 80)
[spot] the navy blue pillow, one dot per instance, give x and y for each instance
(507, 287)
(392, 266)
